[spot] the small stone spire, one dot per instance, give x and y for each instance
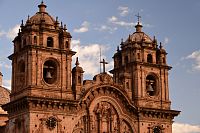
(117, 48)
(42, 7)
(22, 24)
(122, 42)
(160, 46)
(65, 27)
(61, 25)
(77, 62)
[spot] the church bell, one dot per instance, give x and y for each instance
(48, 75)
(150, 88)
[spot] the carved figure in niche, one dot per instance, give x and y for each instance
(106, 119)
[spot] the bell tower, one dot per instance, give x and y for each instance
(42, 58)
(41, 76)
(140, 66)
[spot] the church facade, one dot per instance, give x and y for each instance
(48, 96)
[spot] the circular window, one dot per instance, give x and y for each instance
(157, 130)
(151, 85)
(50, 71)
(51, 123)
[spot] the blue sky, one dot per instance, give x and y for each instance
(102, 23)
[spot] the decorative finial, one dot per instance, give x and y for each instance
(154, 40)
(77, 62)
(117, 48)
(122, 42)
(160, 46)
(22, 24)
(61, 25)
(129, 37)
(65, 27)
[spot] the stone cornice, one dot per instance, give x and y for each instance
(37, 104)
(158, 113)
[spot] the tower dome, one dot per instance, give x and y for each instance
(139, 35)
(42, 15)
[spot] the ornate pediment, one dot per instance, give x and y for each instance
(103, 77)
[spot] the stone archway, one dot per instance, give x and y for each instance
(107, 110)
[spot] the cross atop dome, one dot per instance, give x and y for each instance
(138, 17)
(139, 25)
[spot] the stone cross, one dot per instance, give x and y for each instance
(104, 65)
(138, 17)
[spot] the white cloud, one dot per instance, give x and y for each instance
(185, 128)
(84, 27)
(147, 25)
(89, 56)
(114, 20)
(7, 84)
(196, 57)
(166, 40)
(124, 10)
(2, 33)
(12, 33)
(106, 28)
(5, 65)
(75, 42)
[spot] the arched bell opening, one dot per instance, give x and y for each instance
(50, 71)
(49, 42)
(149, 58)
(151, 85)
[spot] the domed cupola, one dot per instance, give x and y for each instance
(139, 36)
(42, 16)
(41, 20)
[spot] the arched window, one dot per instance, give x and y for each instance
(49, 42)
(67, 44)
(151, 85)
(164, 61)
(149, 58)
(35, 40)
(24, 42)
(126, 60)
(50, 71)
(79, 79)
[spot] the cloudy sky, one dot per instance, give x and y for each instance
(96, 24)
